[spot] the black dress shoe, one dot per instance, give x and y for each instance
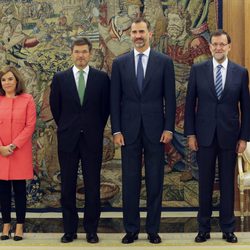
(154, 238)
(230, 237)
(129, 238)
(68, 237)
(202, 237)
(6, 237)
(92, 238)
(17, 238)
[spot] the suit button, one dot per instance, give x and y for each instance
(81, 131)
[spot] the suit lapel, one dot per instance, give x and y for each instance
(229, 76)
(150, 68)
(210, 77)
(72, 89)
(131, 72)
(89, 84)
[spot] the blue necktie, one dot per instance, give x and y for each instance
(218, 81)
(140, 73)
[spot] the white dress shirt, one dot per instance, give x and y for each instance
(76, 73)
(223, 70)
(144, 59)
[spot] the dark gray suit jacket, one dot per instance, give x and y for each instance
(154, 107)
(71, 117)
(205, 115)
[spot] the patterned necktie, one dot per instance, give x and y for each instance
(81, 86)
(140, 73)
(218, 81)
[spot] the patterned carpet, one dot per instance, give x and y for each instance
(110, 241)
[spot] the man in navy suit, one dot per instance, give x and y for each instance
(79, 102)
(217, 124)
(142, 118)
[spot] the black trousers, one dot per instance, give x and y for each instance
(91, 165)
(131, 182)
(19, 188)
(206, 159)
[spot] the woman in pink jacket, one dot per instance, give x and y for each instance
(17, 124)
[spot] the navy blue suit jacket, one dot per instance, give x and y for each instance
(154, 107)
(71, 117)
(205, 115)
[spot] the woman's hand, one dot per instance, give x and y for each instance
(6, 150)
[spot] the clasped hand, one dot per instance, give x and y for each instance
(6, 150)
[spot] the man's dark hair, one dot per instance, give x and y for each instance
(219, 33)
(142, 19)
(81, 41)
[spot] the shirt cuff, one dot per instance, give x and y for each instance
(116, 133)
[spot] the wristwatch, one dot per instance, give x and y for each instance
(12, 146)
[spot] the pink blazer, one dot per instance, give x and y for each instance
(17, 124)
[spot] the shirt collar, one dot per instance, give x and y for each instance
(146, 52)
(224, 64)
(76, 70)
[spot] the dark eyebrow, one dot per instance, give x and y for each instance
(78, 50)
(10, 77)
(134, 31)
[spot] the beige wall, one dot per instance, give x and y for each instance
(247, 33)
(236, 21)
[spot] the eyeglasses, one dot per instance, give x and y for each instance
(221, 45)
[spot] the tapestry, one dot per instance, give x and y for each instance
(35, 36)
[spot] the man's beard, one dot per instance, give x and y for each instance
(139, 44)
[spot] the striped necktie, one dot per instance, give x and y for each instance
(81, 86)
(140, 72)
(218, 81)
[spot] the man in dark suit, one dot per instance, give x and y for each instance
(79, 102)
(217, 124)
(142, 118)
